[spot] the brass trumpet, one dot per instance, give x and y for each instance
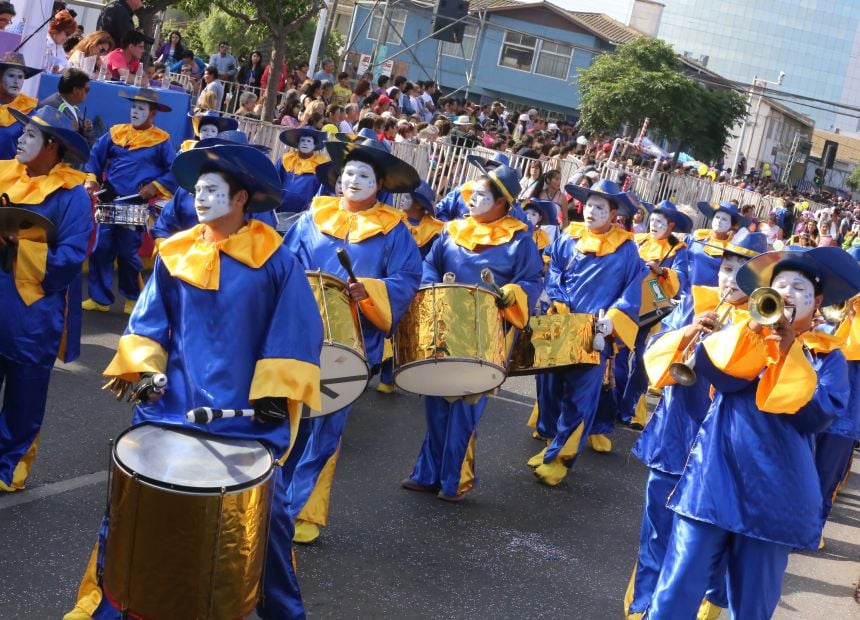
(836, 313)
(766, 306)
(682, 372)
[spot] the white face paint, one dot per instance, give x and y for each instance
(596, 212)
(533, 216)
(13, 81)
(208, 131)
(721, 223)
(658, 226)
(405, 203)
(29, 144)
(727, 278)
(139, 113)
(797, 290)
(211, 197)
(481, 200)
(358, 181)
(306, 145)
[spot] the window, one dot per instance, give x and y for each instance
(554, 59)
(470, 38)
(397, 25)
(518, 51)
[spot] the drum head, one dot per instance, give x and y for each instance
(184, 459)
(343, 378)
(449, 377)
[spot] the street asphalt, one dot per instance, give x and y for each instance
(511, 549)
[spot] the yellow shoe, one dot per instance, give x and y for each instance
(537, 459)
(93, 305)
(5, 488)
(551, 473)
(708, 611)
(77, 614)
(821, 543)
(538, 436)
(600, 443)
(306, 532)
(129, 305)
(386, 388)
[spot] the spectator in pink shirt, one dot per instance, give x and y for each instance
(128, 55)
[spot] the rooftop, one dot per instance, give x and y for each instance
(848, 151)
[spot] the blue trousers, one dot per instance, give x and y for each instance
(694, 555)
(580, 388)
(450, 429)
(116, 243)
(832, 459)
(24, 399)
(637, 379)
(549, 404)
(622, 370)
(386, 371)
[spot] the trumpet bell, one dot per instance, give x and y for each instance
(683, 373)
(836, 313)
(766, 306)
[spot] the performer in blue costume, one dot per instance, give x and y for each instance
(40, 279)
(13, 72)
(229, 275)
(179, 214)
(132, 158)
(210, 124)
(388, 265)
(668, 437)
(488, 238)
(594, 268)
(749, 493)
(704, 260)
(297, 168)
(453, 206)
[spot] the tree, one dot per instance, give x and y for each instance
(853, 179)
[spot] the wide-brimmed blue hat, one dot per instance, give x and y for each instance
(246, 165)
(505, 178)
(425, 196)
(683, 223)
(231, 136)
(708, 210)
(54, 123)
(607, 189)
(745, 244)
(291, 136)
(399, 177)
(15, 60)
(146, 95)
(488, 163)
(210, 117)
(547, 209)
(328, 173)
(832, 268)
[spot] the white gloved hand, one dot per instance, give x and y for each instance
(604, 326)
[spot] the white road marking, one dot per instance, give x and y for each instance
(8, 500)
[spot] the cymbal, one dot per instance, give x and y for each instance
(26, 224)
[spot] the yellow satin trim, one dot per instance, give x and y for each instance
(293, 162)
(654, 249)
(624, 328)
(467, 468)
(163, 191)
(332, 220)
(287, 378)
(602, 245)
(469, 234)
(789, 384)
(518, 314)
(377, 308)
(849, 331)
(541, 239)
(705, 298)
(26, 190)
(671, 283)
(315, 509)
(738, 351)
(134, 355)
(662, 353)
(187, 145)
(426, 230)
(574, 229)
(128, 137)
(189, 257)
(22, 103)
(30, 265)
(821, 342)
(706, 235)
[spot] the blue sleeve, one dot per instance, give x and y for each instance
(402, 271)
(168, 221)
(528, 269)
(634, 272)
(434, 262)
(67, 255)
(150, 317)
(716, 377)
(166, 155)
(830, 399)
(294, 238)
(98, 157)
(267, 217)
(558, 258)
(680, 264)
(446, 209)
(176, 67)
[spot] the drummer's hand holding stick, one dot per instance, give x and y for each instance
(506, 298)
(268, 410)
(148, 191)
(92, 187)
(356, 289)
(149, 388)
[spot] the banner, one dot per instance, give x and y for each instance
(34, 14)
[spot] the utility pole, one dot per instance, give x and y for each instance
(382, 37)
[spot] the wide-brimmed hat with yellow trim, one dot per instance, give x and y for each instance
(744, 243)
(15, 60)
(54, 123)
(625, 202)
(211, 117)
(399, 177)
(505, 178)
(146, 95)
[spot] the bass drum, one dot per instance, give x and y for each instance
(551, 342)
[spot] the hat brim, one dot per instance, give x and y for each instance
(291, 136)
(161, 107)
(483, 163)
(683, 224)
(328, 174)
(400, 177)
(76, 146)
(249, 167)
(620, 201)
(347, 137)
(26, 224)
(28, 71)
(837, 271)
(709, 211)
(509, 194)
(547, 209)
(427, 202)
(206, 143)
(223, 123)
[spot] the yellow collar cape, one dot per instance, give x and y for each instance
(187, 145)
(821, 342)
(706, 299)
(541, 239)
(593, 243)
(128, 137)
(653, 249)
(22, 103)
(292, 162)
(26, 190)
(425, 230)
(192, 259)
(469, 234)
(332, 220)
(706, 235)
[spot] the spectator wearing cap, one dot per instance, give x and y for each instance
(117, 19)
(7, 12)
(463, 133)
(13, 72)
(522, 127)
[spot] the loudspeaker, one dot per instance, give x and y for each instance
(828, 154)
(447, 12)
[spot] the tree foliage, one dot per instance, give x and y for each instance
(644, 79)
(853, 179)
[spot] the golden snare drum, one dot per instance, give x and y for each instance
(344, 372)
(188, 523)
(450, 342)
(553, 341)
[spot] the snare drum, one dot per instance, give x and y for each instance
(344, 372)
(450, 342)
(655, 303)
(122, 214)
(553, 341)
(188, 523)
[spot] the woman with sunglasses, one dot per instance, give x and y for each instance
(96, 44)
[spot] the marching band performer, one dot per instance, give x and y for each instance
(227, 275)
(489, 238)
(453, 206)
(593, 268)
(749, 493)
(666, 440)
(207, 125)
(387, 262)
(297, 168)
(705, 258)
(13, 72)
(131, 159)
(40, 278)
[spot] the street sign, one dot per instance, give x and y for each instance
(363, 64)
(386, 68)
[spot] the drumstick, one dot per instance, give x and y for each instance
(346, 263)
(490, 280)
(129, 197)
(205, 415)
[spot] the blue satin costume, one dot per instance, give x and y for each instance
(126, 170)
(391, 257)
(270, 315)
(10, 133)
(297, 190)
(453, 207)
(448, 448)
(35, 332)
(704, 262)
(749, 490)
(179, 214)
